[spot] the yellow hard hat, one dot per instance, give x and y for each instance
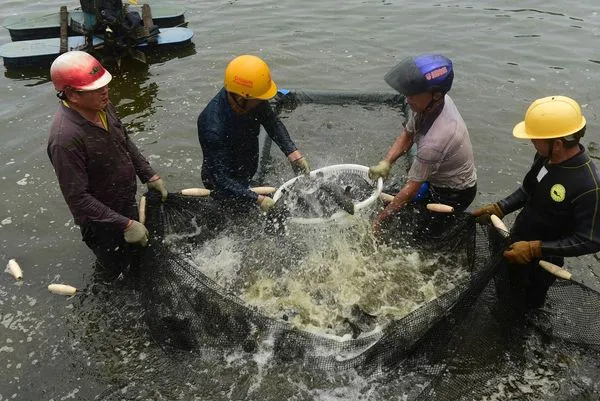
(550, 117)
(249, 76)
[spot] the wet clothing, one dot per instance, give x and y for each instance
(96, 170)
(230, 146)
(444, 151)
(561, 207)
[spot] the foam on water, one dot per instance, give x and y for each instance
(336, 280)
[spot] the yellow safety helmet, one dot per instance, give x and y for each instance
(550, 117)
(249, 76)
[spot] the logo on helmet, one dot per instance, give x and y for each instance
(436, 73)
(557, 193)
(95, 70)
(244, 82)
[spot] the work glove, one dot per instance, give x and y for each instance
(483, 213)
(300, 166)
(158, 185)
(382, 169)
(523, 252)
(136, 233)
(266, 204)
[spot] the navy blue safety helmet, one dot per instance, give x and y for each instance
(423, 73)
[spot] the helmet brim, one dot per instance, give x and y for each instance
(97, 84)
(270, 93)
(519, 131)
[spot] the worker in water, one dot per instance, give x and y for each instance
(96, 163)
(228, 130)
(443, 170)
(559, 200)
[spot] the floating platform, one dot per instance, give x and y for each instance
(35, 52)
(47, 25)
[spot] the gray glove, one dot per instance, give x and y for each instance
(382, 169)
(136, 233)
(266, 204)
(300, 166)
(158, 185)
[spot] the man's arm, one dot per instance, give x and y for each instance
(276, 129)
(401, 145)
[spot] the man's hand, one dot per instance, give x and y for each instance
(382, 169)
(523, 252)
(300, 166)
(483, 213)
(136, 233)
(156, 183)
(266, 203)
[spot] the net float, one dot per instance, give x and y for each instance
(556, 270)
(387, 198)
(13, 268)
(499, 225)
(440, 208)
(62, 289)
(206, 192)
(143, 210)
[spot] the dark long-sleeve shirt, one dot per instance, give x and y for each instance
(96, 168)
(561, 206)
(230, 145)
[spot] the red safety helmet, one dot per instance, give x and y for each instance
(78, 70)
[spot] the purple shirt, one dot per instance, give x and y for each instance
(96, 168)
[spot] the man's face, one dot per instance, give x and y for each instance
(542, 146)
(95, 100)
(418, 103)
(245, 104)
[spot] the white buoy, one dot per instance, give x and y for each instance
(440, 208)
(264, 190)
(499, 225)
(195, 192)
(13, 268)
(206, 192)
(62, 289)
(387, 198)
(556, 270)
(143, 210)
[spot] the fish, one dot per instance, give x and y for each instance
(13, 268)
(322, 197)
(360, 321)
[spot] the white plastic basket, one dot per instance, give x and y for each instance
(328, 171)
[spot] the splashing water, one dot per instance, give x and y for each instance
(328, 279)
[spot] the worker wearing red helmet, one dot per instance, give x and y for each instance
(444, 160)
(96, 162)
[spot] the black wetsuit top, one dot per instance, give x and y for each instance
(561, 207)
(230, 146)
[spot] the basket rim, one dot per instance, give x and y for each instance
(329, 169)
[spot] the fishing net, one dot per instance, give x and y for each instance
(421, 304)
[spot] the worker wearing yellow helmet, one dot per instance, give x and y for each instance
(228, 130)
(559, 200)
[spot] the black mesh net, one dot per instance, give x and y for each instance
(215, 275)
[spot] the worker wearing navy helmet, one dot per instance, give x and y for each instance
(228, 130)
(559, 200)
(444, 160)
